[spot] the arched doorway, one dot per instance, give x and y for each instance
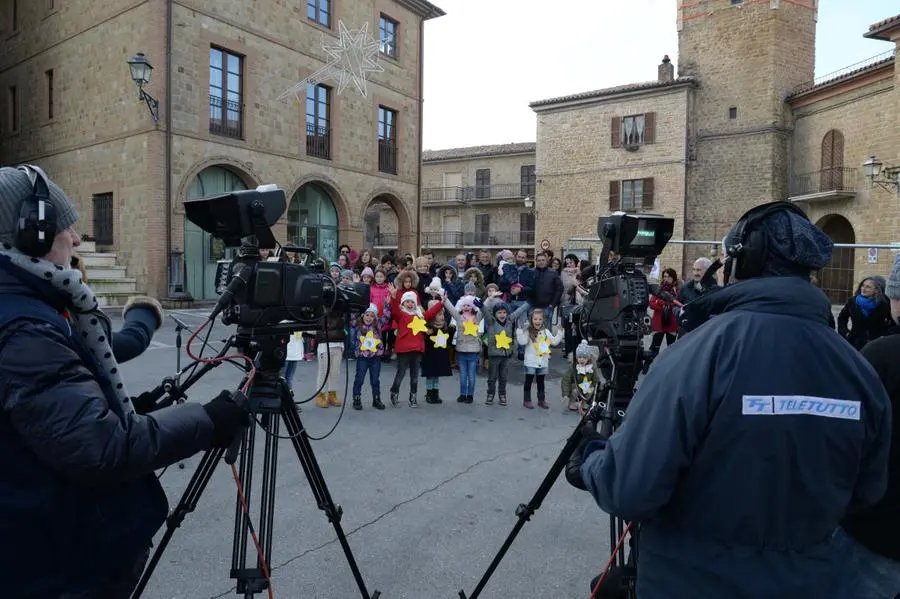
(836, 279)
(382, 225)
(201, 250)
(313, 221)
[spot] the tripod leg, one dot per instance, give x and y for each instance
(186, 505)
(297, 433)
(525, 511)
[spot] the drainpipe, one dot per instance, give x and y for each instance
(170, 266)
(421, 136)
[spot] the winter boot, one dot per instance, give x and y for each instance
(527, 401)
(357, 402)
(503, 401)
(376, 403)
(395, 399)
(542, 402)
(490, 400)
(461, 399)
(469, 399)
(321, 401)
(431, 396)
(437, 397)
(333, 399)
(413, 402)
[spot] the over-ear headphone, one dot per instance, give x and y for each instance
(37, 216)
(748, 247)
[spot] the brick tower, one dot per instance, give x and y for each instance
(747, 55)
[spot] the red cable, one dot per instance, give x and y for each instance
(610, 562)
(259, 551)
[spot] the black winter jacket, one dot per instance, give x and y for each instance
(863, 329)
(77, 489)
(547, 288)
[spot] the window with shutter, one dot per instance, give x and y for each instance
(527, 180)
(526, 228)
(613, 196)
(616, 127)
(649, 127)
(832, 175)
(482, 228)
(483, 183)
(647, 197)
(632, 194)
(633, 130)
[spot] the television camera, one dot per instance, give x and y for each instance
(614, 318)
(268, 301)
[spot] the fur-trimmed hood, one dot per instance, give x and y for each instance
(442, 272)
(412, 275)
(479, 277)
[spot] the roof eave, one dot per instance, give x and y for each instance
(477, 156)
(883, 32)
(867, 72)
(600, 96)
(423, 8)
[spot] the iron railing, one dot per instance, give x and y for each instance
(387, 156)
(387, 240)
(497, 191)
(478, 239)
(103, 219)
(318, 141)
(225, 117)
(836, 178)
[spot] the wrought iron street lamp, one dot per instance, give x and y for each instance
(886, 178)
(141, 71)
(529, 202)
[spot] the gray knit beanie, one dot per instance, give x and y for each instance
(15, 186)
(892, 287)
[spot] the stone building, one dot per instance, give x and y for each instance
(478, 198)
(722, 140)
(70, 106)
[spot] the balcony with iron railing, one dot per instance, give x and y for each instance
(477, 193)
(318, 141)
(387, 241)
(225, 117)
(833, 183)
(478, 239)
(387, 156)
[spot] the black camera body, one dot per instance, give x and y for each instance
(262, 297)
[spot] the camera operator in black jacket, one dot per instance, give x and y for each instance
(79, 498)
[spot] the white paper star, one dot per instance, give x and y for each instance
(353, 55)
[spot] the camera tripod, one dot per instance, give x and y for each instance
(269, 402)
(600, 411)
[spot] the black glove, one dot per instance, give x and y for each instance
(591, 440)
(228, 419)
(144, 403)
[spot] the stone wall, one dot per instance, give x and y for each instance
(576, 162)
(504, 169)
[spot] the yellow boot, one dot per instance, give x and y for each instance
(321, 401)
(333, 399)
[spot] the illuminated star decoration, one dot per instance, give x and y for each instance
(369, 343)
(440, 339)
(353, 55)
(542, 345)
(417, 325)
(586, 386)
(503, 340)
(470, 327)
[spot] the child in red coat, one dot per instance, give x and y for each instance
(410, 319)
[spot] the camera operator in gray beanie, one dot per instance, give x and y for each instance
(78, 493)
(869, 537)
(746, 445)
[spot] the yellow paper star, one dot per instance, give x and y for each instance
(440, 339)
(417, 325)
(503, 340)
(470, 327)
(369, 343)
(542, 345)
(586, 386)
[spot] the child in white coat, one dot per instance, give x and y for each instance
(537, 341)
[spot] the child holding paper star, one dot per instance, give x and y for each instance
(500, 335)
(368, 343)
(411, 321)
(468, 343)
(582, 380)
(436, 362)
(537, 341)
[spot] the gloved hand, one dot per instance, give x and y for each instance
(143, 403)
(591, 441)
(147, 302)
(228, 419)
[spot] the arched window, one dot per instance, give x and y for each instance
(313, 221)
(832, 177)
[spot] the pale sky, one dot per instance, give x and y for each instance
(487, 59)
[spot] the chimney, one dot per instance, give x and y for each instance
(666, 70)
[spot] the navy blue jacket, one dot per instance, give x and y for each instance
(739, 480)
(78, 495)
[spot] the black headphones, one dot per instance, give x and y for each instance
(37, 216)
(748, 247)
